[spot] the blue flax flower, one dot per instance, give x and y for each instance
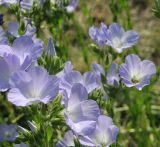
(80, 113)
(135, 72)
(104, 135)
(88, 80)
(32, 87)
(8, 132)
(119, 40)
(25, 49)
(67, 141)
(72, 6)
(99, 35)
(112, 75)
(114, 36)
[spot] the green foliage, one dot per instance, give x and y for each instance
(156, 9)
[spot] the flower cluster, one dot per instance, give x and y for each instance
(113, 36)
(28, 4)
(26, 82)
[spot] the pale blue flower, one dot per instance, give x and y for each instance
(80, 113)
(119, 39)
(24, 48)
(67, 141)
(104, 135)
(88, 80)
(8, 132)
(135, 72)
(32, 87)
(112, 75)
(99, 35)
(72, 6)
(114, 36)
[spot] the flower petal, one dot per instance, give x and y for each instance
(130, 38)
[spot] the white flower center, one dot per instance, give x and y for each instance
(117, 43)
